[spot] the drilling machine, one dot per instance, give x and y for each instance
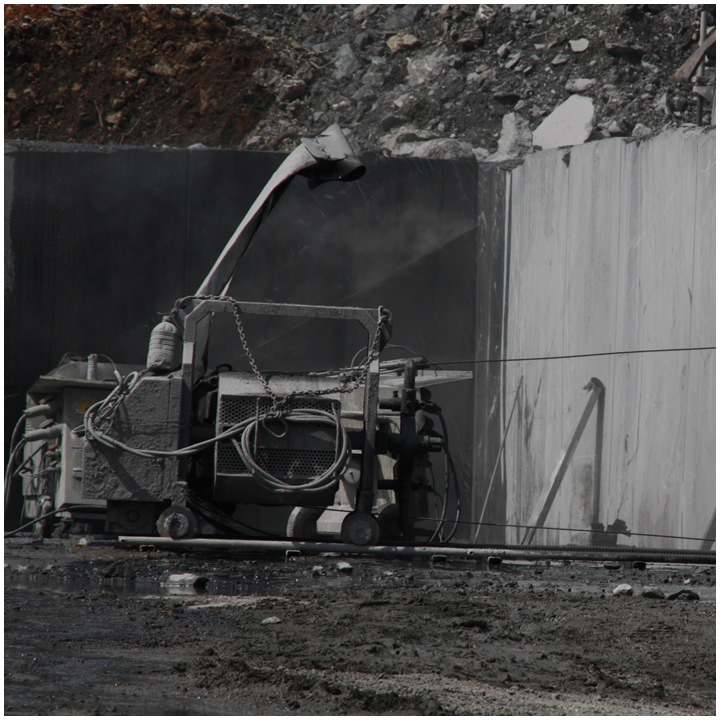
(175, 449)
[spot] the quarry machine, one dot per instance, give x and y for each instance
(176, 449)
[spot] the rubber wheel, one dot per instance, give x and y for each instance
(360, 529)
(302, 523)
(177, 522)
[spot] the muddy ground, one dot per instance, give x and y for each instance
(95, 629)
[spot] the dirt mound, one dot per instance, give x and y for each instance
(259, 76)
(140, 76)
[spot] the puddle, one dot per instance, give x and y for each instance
(302, 575)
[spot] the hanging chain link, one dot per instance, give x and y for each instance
(279, 404)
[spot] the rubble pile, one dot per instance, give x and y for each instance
(440, 81)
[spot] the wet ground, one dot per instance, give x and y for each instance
(100, 629)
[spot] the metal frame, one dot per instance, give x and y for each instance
(367, 317)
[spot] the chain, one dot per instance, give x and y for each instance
(357, 378)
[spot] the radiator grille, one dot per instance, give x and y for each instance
(238, 408)
(284, 463)
(303, 452)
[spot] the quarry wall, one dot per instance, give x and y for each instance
(99, 243)
(605, 251)
(612, 249)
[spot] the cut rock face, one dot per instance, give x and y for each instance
(569, 124)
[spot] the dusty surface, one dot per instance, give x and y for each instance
(389, 638)
(258, 76)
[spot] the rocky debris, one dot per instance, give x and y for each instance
(580, 85)
(571, 123)
(683, 595)
(317, 570)
(623, 589)
(344, 568)
(516, 139)
(578, 46)
(642, 132)
(190, 580)
(271, 621)
(653, 593)
(259, 76)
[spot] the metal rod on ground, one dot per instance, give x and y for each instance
(404, 551)
(497, 461)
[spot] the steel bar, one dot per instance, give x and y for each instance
(543, 508)
(480, 553)
(497, 461)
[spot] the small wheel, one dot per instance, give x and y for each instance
(360, 529)
(177, 522)
(302, 523)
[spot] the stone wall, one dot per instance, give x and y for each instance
(613, 249)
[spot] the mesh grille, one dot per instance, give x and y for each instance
(284, 463)
(238, 408)
(301, 452)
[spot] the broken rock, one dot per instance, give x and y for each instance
(569, 124)
(186, 580)
(437, 149)
(629, 52)
(271, 621)
(684, 595)
(653, 593)
(346, 64)
(516, 139)
(580, 45)
(579, 85)
(642, 132)
(403, 41)
(427, 66)
(623, 589)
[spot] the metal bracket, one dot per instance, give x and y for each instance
(545, 502)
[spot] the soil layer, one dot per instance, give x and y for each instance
(98, 629)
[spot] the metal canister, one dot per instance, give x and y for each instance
(164, 350)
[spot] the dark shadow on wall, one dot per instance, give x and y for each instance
(102, 242)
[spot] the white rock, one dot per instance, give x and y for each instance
(579, 85)
(580, 45)
(271, 621)
(516, 139)
(623, 589)
(424, 67)
(186, 580)
(344, 567)
(437, 149)
(569, 124)
(481, 154)
(641, 132)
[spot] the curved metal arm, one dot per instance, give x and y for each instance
(326, 157)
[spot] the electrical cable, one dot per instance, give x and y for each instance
(544, 527)
(578, 355)
(206, 511)
(41, 517)
(15, 444)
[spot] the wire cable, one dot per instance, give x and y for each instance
(41, 517)
(576, 356)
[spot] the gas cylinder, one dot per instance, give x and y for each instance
(164, 348)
